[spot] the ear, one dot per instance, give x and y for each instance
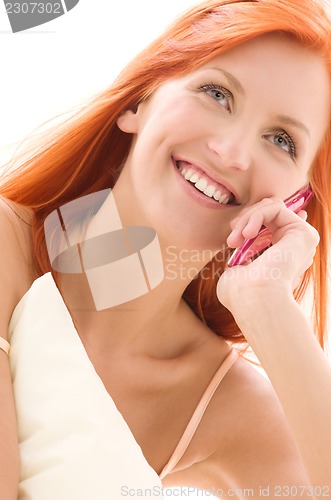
(128, 121)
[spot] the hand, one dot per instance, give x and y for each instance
(280, 266)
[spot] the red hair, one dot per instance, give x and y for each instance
(87, 152)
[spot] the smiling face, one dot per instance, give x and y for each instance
(252, 119)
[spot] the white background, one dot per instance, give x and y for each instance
(53, 67)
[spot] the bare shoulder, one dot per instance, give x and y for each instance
(16, 256)
(260, 448)
(250, 442)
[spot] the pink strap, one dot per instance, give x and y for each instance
(198, 414)
(4, 345)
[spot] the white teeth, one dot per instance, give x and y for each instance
(209, 191)
(202, 184)
(187, 173)
(223, 198)
(194, 178)
(217, 195)
(190, 174)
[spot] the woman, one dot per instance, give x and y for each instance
(235, 94)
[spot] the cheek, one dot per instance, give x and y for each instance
(185, 120)
(172, 124)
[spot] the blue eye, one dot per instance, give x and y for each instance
(285, 142)
(218, 93)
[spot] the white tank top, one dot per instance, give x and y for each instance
(74, 443)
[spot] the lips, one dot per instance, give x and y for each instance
(212, 177)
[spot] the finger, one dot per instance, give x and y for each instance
(247, 211)
(247, 225)
(273, 214)
(253, 225)
(235, 238)
(303, 214)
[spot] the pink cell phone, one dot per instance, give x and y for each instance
(255, 246)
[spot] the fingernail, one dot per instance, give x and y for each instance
(234, 232)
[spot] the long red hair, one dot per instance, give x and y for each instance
(87, 152)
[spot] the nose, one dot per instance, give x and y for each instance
(232, 150)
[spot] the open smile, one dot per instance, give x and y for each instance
(202, 187)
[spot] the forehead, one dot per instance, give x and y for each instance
(274, 51)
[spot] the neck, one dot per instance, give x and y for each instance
(129, 293)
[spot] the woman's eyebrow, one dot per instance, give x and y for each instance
(236, 84)
(287, 120)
